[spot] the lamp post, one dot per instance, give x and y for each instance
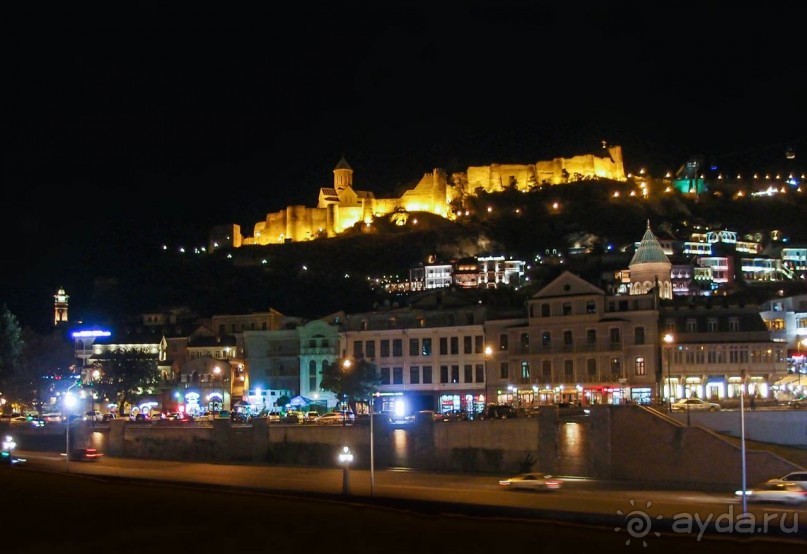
(345, 458)
(742, 439)
(372, 447)
(345, 367)
(69, 402)
(669, 339)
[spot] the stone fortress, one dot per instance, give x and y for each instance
(340, 206)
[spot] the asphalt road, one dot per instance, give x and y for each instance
(245, 505)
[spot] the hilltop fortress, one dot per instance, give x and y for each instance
(340, 206)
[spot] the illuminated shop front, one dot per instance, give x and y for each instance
(465, 402)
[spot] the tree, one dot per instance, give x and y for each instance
(350, 380)
(45, 358)
(127, 374)
(11, 346)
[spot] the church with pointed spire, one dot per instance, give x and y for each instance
(650, 269)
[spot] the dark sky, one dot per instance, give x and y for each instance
(156, 126)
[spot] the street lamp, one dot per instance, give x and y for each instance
(346, 363)
(669, 339)
(372, 449)
(69, 403)
(345, 458)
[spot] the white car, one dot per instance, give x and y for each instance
(798, 477)
(776, 490)
(533, 481)
(695, 405)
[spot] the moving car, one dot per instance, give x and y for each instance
(776, 490)
(798, 477)
(695, 405)
(533, 481)
(84, 454)
(335, 418)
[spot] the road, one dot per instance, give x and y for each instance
(599, 507)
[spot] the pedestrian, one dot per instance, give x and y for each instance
(753, 402)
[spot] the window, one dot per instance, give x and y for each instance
(480, 373)
(544, 310)
(369, 348)
(312, 375)
(444, 374)
(385, 348)
(591, 307)
(427, 347)
(414, 375)
(525, 343)
(478, 340)
(711, 325)
(546, 371)
(638, 366)
(397, 348)
(312, 343)
(616, 368)
(546, 338)
(734, 324)
(468, 345)
(414, 347)
(504, 373)
(443, 346)
(525, 371)
(468, 371)
(567, 308)
(615, 336)
(427, 375)
(638, 335)
(503, 342)
(455, 345)
(357, 353)
(568, 371)
(591, 336)
(385, 376)
(567, 338)
(455, 374)
(397, 376)
(591, 369)
(692, 325)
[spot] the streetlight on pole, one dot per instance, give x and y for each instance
(345, 458)
(69, 402)
(372, 448)
(669, 339)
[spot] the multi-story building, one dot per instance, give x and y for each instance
(427, 359)
(578, 344)
(712, 344)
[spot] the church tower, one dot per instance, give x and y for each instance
(60, 307)
(342, 176)
(650, 268)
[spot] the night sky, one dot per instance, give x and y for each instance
(156, 126)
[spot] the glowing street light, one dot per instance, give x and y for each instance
(669, 339)
(345, 458)
(69, 402)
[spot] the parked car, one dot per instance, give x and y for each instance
(108, 417)
(455, 415)
(273, 417)
(572, 409)
(335, 418)
(292, 417)
(239, 417)
(311, 417)
(776, 490)
(695, 405)
(498, 411)
(84, 455)
(534, 481)
(93, 415)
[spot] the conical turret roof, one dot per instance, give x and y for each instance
(649, 251)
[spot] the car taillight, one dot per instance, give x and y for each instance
(553, 484)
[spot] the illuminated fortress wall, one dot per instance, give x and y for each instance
(340, 207)
(498, 177)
